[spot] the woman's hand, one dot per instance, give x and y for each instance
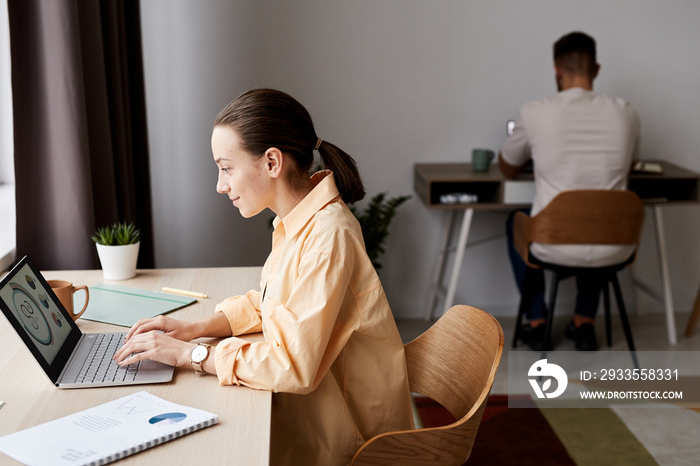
(165, 340)
(174, 328)
(156, 346)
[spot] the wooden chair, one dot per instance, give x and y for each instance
(581, 217)
(454, 363)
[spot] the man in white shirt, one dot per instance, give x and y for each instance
(576, 139)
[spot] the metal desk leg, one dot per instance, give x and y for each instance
(665, 275)
(459, 257)
(440, 267)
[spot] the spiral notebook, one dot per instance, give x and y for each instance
(105, 433)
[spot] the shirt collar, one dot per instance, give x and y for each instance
(324, 191)
(576, 90)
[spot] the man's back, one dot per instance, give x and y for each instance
(577, 139)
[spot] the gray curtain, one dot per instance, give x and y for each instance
(81, 158)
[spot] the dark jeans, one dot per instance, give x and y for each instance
(588, 284)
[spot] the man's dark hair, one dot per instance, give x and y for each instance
(575, 53)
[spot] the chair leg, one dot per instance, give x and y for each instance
(519, 322)
(526, 299)
(547, 344)
(606, 302)
(623, 313)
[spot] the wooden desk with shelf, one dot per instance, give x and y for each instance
(242, 435)
(432, 180)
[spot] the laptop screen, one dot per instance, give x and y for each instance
(33, 309)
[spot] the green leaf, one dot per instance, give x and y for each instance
(118, 234)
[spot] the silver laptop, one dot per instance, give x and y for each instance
(69, 357)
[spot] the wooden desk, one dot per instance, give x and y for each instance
(242, 435)
(432, 180)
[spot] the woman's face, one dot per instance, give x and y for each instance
(242, 177)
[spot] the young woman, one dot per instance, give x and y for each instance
(332, 353)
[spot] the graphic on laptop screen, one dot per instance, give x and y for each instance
(36, 312)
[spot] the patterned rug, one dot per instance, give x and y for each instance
(506, 436)
(531, 436)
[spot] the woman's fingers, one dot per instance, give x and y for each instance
(173, 327)
(155, 346)
(143, 325)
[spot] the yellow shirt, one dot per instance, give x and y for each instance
(332, 353)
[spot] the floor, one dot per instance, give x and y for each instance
(668, 433)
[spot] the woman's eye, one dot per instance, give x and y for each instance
(225, 170)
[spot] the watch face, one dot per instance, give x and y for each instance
(199, 353)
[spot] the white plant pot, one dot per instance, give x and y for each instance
(118, 262)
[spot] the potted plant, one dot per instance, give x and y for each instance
(118, 249)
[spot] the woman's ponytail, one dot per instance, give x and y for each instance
(344, 168)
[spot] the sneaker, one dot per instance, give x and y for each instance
(534, 337)
(583, 336)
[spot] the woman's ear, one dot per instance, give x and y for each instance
(274, 161)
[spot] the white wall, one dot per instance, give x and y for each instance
(396, 82)
(197, 57)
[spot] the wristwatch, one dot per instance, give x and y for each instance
(198, 355)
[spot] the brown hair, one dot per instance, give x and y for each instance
(264, 118)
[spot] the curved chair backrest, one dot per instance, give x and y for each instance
(586, 216)
(454, 363)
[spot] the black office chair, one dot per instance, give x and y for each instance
(581, 217)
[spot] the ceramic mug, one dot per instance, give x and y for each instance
(481, 159)
(64, 291)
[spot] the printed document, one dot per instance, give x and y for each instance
(106, 432)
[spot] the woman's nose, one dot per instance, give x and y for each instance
(222, 188)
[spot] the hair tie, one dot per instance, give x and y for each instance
(318, 143)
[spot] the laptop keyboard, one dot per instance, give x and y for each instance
(99, 365)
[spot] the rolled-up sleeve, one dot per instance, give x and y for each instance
(303, 336)
(242, 312)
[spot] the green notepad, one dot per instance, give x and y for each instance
(121, 305)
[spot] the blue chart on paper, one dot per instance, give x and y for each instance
(168, 418)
